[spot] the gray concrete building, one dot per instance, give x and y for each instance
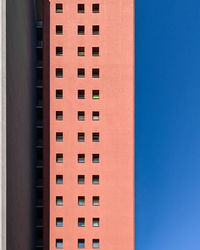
(18, 128)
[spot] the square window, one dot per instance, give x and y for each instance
(95, 116)
(81, 201)
(81, 137)
(81, 222)
(81, 30)
(59, 29)
(81, 8)
(81, 51)
(81, 94)
(95, 222)
(81, 158)
(95, 243)
(59, 158)
(95, 73)
(81, 73)
(95, 137)
(59, 200)
(95, 94)
(59, 115)
(59, 136)
(59, 73)
(95, 8)
(59, 243)
(59, 51)
(95, 200)
(59, 222)
(95, 29)
(81, 179)
(81, 115)
(59, 179)
(59, 94)
(81, 243)
(95, 158)
(59, 8)
(95, 179)
(95, 51)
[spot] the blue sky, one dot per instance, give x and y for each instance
(167, 125)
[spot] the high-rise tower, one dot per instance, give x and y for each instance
(89, 124)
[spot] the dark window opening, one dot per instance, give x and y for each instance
(95, 73)
(59, 72)
(81, 51)
(95, 8)
(59, 179)
(59, 115)
(95, 222)
(81, 222)
(81, 243)
(59, 29)
(81, 29)
(81, 8)
(59, 51)
(59, 8)
(39, 74)
(81, 137)
(95, 116)
(59, 222)
(81, 115)
(95, 179)
(95, 29)
(59, 200)
(59, 243)
(81, 179)
(81, 94)
(95, 243)
(95, 94)
(95, 137)
(95, 51)
(59, 93)
(81, 73)
(81, 201)
(59, 136)
(95, 158)
(81, 158)
(59, 158)
(95, 200)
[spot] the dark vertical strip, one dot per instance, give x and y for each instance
(46, 121)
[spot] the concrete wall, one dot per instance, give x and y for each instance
(3, 125)
(20, 71)
(116, 125)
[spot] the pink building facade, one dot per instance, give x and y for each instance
(91, 124)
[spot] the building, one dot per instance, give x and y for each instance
(70, 125)
(91, 124)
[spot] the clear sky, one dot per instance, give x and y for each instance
(167, 125)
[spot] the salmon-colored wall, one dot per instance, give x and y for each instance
(116, 124)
